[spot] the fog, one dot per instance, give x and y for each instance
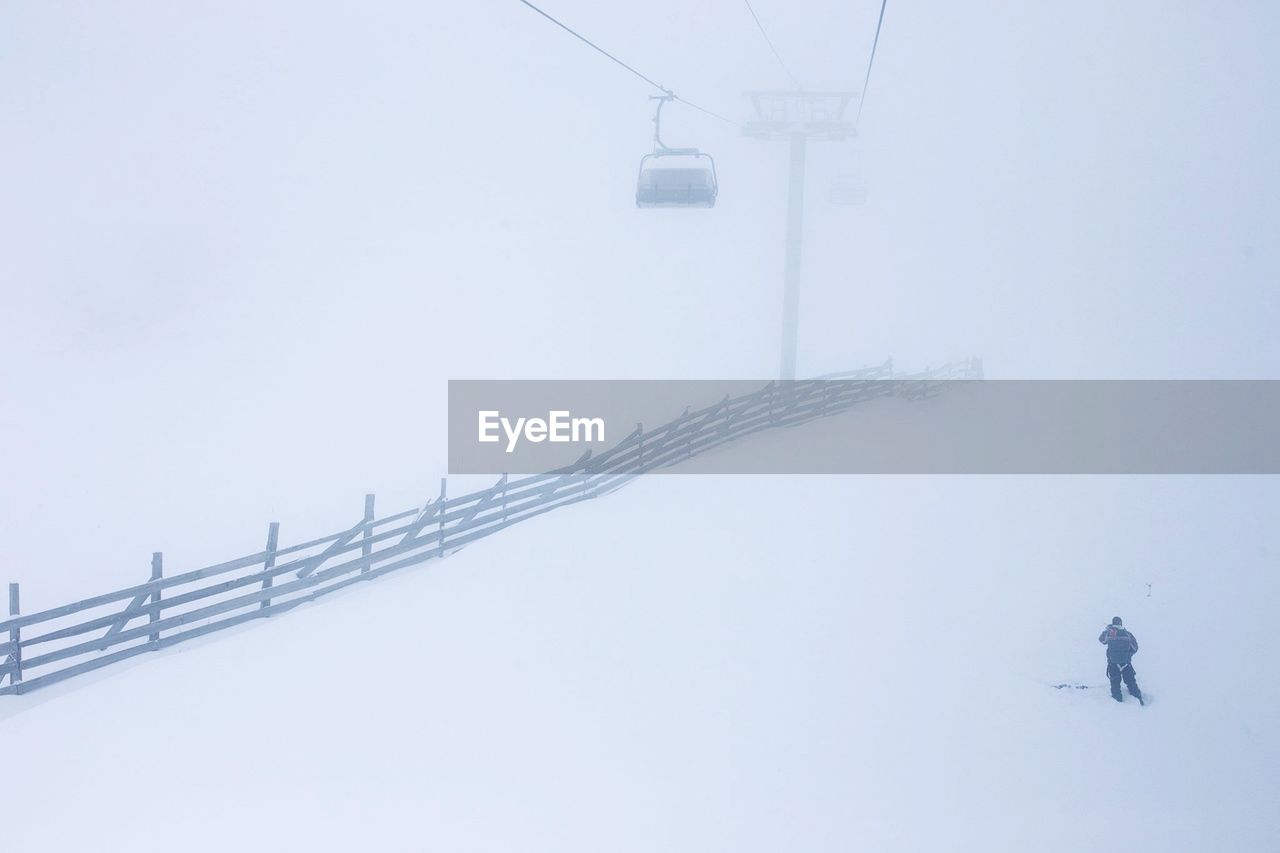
(244, 246)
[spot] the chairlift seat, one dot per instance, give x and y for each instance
(676, 186)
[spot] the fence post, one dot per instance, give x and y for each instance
(273, 539)
(366, 547)
(689, 429)
(504, 496)
(157, 572)
(443, 507)
(15, 637)
(640, 445)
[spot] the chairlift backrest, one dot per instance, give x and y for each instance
(656, 177)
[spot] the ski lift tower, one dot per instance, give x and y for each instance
(796, 117)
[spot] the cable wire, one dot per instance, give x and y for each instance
(648, 80)
(862, 98)
(705, 110)
(769, 42)
(583, 38)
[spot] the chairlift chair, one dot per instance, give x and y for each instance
(848, 191)
(687, 185)
(693, 183)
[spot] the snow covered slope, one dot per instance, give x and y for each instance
(705, 664)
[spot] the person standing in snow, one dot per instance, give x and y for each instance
(1121, 647)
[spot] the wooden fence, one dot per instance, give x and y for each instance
(53, 645)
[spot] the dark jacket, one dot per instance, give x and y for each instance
(1121, 645)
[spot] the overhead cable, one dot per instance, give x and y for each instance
(862, 98)
(606, 53)
(769, 42)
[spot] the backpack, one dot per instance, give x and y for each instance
(1120, 641)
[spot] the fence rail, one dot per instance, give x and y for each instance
(53, 645)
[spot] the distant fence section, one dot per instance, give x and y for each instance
(53, 645)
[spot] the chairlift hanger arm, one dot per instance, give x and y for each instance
(667, 95)
(660, 147)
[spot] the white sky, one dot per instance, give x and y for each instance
(244, 245)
